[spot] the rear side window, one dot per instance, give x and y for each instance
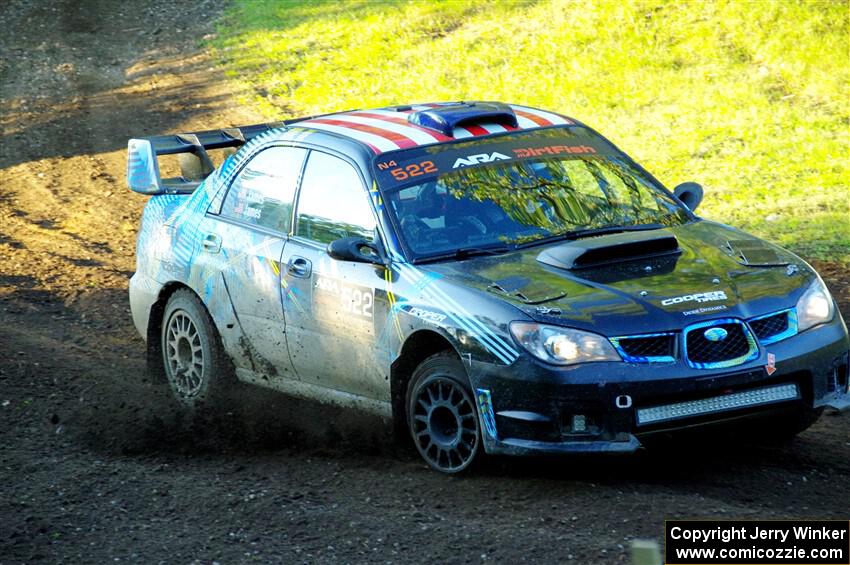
(333, 203)
(263, 192)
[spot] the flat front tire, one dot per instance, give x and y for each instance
(441, 414)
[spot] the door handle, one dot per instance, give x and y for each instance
(299, 267)
(212, 243)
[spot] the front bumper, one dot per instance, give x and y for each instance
(530, 407)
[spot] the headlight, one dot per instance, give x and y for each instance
(563, 346)
(815, 306)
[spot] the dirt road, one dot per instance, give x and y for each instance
(97, 466)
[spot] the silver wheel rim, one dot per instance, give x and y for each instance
(184, 355)
(444, 424)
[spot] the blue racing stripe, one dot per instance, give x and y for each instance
(492, 342)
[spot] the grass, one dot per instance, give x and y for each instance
(748, 98)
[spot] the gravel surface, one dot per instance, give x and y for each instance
(96, 465)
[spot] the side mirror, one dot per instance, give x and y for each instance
(690, 193)
(356, 249)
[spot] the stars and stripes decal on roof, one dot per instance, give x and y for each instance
(384, 130)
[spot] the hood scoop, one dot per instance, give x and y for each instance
(524, 290)
(610, 249)
(753, 254)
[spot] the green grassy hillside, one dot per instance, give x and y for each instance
(749, 99)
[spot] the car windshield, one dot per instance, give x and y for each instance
(518, 190)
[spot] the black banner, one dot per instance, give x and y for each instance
(398, 169)
(757, 542)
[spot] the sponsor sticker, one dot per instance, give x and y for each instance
(332, 296)
(479, 159)
(704, 310)
(771, 364)
(427, 315)
(423, 164)
(697, 297)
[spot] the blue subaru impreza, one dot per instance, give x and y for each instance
(494, 278)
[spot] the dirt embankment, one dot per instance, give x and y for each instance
(97, 466)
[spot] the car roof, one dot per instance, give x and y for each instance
(389, 129)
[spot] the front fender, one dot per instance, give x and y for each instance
(476, 324)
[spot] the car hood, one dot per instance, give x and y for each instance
(716, 272)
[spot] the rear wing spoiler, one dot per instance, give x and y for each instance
(143, 174)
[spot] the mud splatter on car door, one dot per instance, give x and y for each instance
(330, 305)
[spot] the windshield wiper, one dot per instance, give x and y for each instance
(589, 232)
(465, 253)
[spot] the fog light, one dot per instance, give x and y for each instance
(579, 423)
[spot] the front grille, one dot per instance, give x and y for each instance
(647, 348)
(774, 327)
(738, 345)
(770, 326)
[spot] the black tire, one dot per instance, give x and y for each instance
(441, 414)
(194, 363)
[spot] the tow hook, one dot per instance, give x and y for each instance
(623, 401)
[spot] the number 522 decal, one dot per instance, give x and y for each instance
(413, 170)
(354, 300)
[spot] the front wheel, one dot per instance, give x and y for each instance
(441, 414)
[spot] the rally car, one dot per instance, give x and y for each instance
(495, 278)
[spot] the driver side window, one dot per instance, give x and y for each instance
(333, 203)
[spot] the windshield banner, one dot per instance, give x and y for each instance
(401, 168)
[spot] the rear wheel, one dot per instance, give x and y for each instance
(441, 414)
(194, 364)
